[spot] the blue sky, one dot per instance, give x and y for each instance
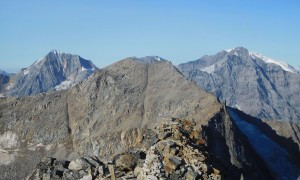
(177, 30)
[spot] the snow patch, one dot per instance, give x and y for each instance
(26, 71)
(238, 107)
(269, 60)
(157, 58)
(85, 69)
(63, 85)
(229, 50)
(209, 69)
(276, 158)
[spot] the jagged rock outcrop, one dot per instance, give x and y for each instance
(114, 111)
(56, 71)
(247, 79)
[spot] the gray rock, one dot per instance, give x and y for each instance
(87, 177)
(78, 164)
(190, 175)
(177, 161)
(137, 170)
(125, 162)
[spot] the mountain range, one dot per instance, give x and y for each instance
(142, 118)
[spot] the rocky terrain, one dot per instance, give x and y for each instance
(175, 151)
(115, 111)
(247, 79)
(56, 71)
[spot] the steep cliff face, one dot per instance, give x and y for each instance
(227, 143)
(247, 79)
(56, 71)
(109, 114)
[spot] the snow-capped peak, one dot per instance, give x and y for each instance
(266, 59)
(157, 58)
(57, 51)
(229, 50)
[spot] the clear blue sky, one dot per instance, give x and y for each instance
(178, 30)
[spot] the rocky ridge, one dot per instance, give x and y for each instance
(177, 152)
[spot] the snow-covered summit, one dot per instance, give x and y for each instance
(229, 50)
(256, 55)
(266, 59)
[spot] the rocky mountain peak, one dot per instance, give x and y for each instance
(56, 71)
(54, 51)
(245, 54)
(238, 51)
(244, 78)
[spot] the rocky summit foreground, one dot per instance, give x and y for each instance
(174, 150)
(114, 113)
